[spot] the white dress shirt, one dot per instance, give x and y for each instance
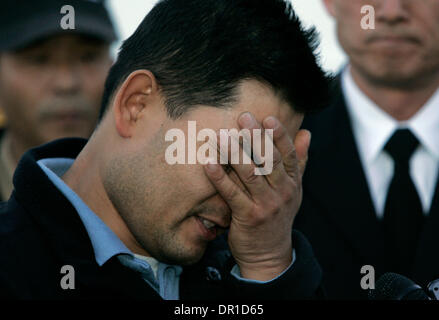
(372, 128)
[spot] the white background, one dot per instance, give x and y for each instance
(129, 13)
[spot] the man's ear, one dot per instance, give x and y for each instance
(329, 4)
(136, 94)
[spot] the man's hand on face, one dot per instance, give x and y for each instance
(262, 214)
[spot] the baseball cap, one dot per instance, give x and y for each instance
(23, 22)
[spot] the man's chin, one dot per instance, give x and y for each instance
(59, 132)
(182, 257)
(393, 76)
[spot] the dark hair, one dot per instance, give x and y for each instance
(199, 50)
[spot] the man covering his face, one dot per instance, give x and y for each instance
(131, 224)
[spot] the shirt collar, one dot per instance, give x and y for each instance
(105, 243)
(373, 127)
(425, 124)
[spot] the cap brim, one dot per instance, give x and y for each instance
(22, 35)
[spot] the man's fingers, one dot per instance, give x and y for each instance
(302, 143)
(270, 164)
(256, 185)
(284, 144)
(229, 191)
(247, 122)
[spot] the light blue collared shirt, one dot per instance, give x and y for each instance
(165, 281)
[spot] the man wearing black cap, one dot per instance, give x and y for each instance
(51, 77)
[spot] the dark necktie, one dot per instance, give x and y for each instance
(403, 216)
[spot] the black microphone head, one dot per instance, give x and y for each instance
(393, 286)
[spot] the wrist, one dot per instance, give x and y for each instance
(265, 270)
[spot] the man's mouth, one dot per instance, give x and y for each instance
(207, 223)
(207, 228)
(212, 221)
(67, 116)
(394, 39)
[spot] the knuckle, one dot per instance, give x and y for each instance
(250, 177)
(291, 167)
(271, 205)
(287, 194)
(291, 154)
(231, 193)
(279, 132)
(272, 201)
(277, 160)
(258, 217)
(217, 176)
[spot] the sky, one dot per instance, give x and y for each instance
(129, 13)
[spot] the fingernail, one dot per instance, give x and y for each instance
(270, 123)
(211, 165)
(246, 120)
(310, 136)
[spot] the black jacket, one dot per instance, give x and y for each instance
(40, 232)
(337, 213)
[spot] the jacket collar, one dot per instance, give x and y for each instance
(47, 206)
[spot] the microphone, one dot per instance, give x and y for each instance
(433, 289)
(393, 286)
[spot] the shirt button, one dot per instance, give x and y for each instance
(169, 271)
(213, 274)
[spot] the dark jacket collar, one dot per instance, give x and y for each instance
(47, 205)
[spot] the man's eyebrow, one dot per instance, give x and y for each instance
(87, 41)
(33, 48)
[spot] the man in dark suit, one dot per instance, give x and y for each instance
(129, 218)
(370, 190)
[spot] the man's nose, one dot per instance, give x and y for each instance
(392, 11)
(66, 79)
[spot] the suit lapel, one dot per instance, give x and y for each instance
(427, 262)
(113, 280)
